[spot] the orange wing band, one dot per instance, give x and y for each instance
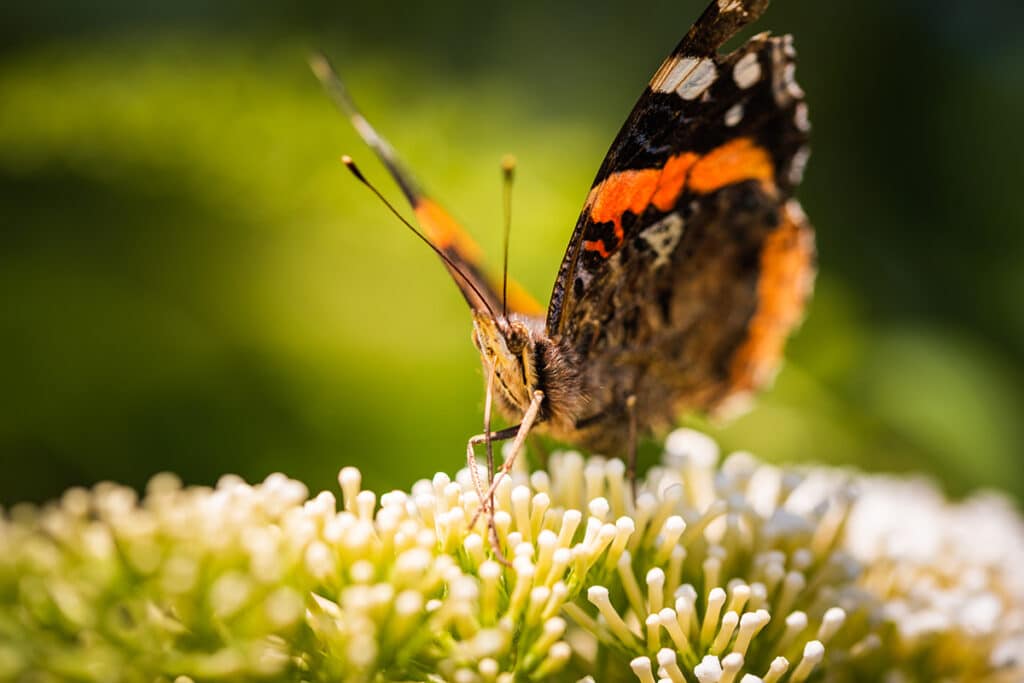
(444, 231)
(635, 190)
(731, 163)
(783, 287)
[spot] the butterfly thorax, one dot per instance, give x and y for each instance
(525, 359)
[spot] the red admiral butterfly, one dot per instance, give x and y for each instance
(687, 269)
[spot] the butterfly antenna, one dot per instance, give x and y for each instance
(351, 166)
(337, 91)
(508, 172)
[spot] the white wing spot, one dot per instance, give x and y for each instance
(789, 80)
(671, 73)
(688, 77)
(734, 115)
(800, 117)
(796, 211)
(663, 237)
(798, 164)
(729, 6)
(704, 74)
(747, 71)
(787, 46)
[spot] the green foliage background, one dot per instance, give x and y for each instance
(189, 281)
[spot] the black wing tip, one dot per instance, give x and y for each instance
(720, 21)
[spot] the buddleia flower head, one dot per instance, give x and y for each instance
(715, 572)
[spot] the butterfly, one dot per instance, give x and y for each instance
(690, 264)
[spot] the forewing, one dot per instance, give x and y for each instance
(446, 233)
(481, 291)
(677, 240)
(696, 103)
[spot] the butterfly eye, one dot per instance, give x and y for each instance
(516, 339)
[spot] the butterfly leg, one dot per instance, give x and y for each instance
(476, 440)
(492, 527)
(521, 431)
(474, 472)
(486, 498)
(631, 445)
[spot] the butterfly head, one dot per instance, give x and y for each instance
(508, 346)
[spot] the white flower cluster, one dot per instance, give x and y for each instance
(736, 572)
(951, 577)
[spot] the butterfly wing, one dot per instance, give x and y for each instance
(481, 292)
(690, 262)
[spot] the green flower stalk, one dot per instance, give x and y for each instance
(731, 572)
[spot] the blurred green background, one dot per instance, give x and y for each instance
(189, 281)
